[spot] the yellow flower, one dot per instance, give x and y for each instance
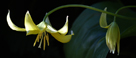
(112, 35)
(42, 29)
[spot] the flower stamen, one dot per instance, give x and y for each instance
(47, 38)
(41, 37)
(44, 43)
(37, 39)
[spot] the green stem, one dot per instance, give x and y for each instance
(121, 9)
(85, 6)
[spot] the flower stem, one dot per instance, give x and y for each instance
(121, 9)
(85, 6)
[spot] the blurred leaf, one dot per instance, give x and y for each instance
(89, 38)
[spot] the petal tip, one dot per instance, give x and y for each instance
(105, 8)
(27, 12)
(103, 22)
(12, 25)
(113, 52)
(67, 18)
(72, 32)
(8, 10)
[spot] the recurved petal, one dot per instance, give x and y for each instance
(64, 29)
(30, 26)
(12, 25)
(103, 22)
(50, 29)
(62, 38)
(42, 26)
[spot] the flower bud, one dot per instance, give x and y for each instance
(113, 37)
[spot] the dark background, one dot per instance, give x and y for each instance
(16, 44)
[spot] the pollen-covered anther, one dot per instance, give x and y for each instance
(37, 38)
(40, 42)
(43, 37)
(46, 37)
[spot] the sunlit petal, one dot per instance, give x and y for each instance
(30, 26)
(103, 22)
(64, 29)
(42, 26)
(50, 29)
(62, 38)
(12, 25)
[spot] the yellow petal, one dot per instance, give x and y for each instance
(42, 26)
(103, 22)
(12, 25)
(112, 37)
(64, 29)
(30, 26)
(50, 29)
(62, 38)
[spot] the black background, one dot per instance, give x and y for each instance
(16, 44)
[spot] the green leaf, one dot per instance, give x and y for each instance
(89, 38)
(131, 31)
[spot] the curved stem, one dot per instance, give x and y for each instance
(85, 6)
(121, 9)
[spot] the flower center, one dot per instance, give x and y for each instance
(43, 36)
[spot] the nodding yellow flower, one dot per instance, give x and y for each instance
(42, 29)
(112, 35)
